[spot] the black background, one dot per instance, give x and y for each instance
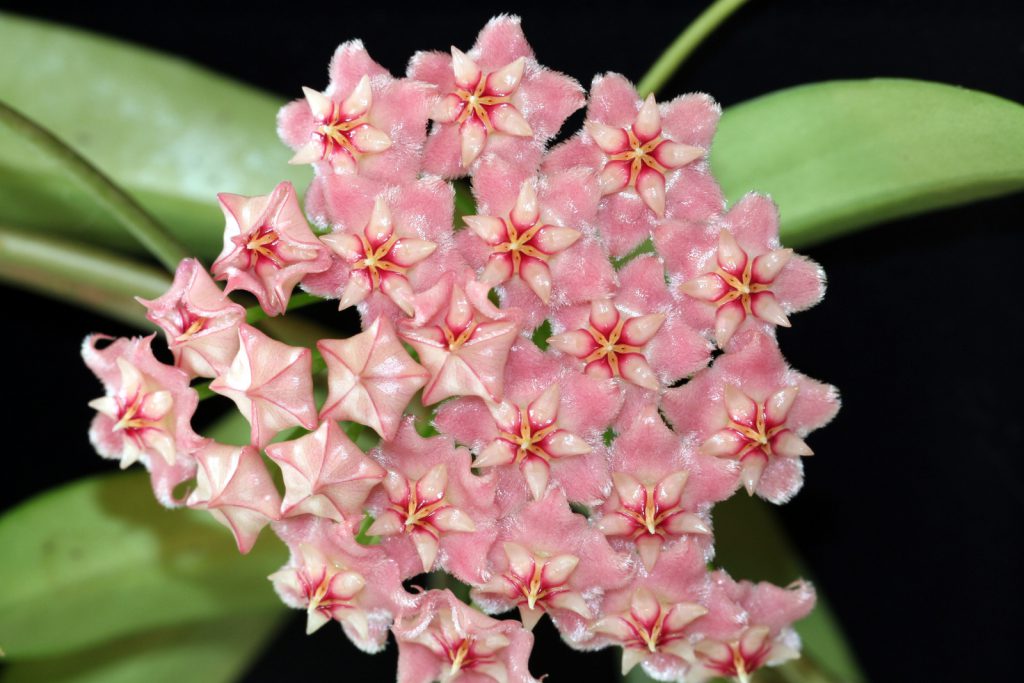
(908, 517)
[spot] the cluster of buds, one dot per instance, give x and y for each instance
(563, 384)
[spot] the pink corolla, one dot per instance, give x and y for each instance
(366, 122)
(388, 244)
(370, 378)
(495, 99)
(463, 348)
(325, 475)
(637, 335)
(200, 322)
(446, 640)
(733, 270)
(233, 484)
(663, 489)
(756, 632)
(751, 407)
(547, 429)
(271, 383)
(653, 617)
(146, 412)
(432, 510)
(268, 247)
(332, 577)
(648, 159)
(548, 559)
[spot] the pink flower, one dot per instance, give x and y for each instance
(146, 412)
(331, 576)
(495, 99)
(549, 559)
(733, 270)
(388, 245)
(325, 474)
(434, 513)
(271, 384)
(651, 618)
(268, 247)
(370, 378)
(200, 322)
(663, 490)
(464, 351)
(749, 627)
(647, 159)
(449, 641)
(567, 451)
(750, 406)
(366, 122)
(233, 484)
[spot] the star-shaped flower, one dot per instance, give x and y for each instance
(268, 246)
(733, 270)
(233, 484)
(365, 122)
(530, 437)
(324, 587)
(495, 99)
(447, 640)
(370, 378)
(200, 322)
(752, 408)
(464, 352)
(146, 412)
(325, 474)
(271, 383)
(378, 259)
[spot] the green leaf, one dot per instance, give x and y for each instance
(99, 559)
(204, 652)
(843, 155)
(170, 133)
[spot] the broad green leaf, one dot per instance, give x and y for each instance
(99, 559)
(170, 133)
(203, 652)
(843, 155)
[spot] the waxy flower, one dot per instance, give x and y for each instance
(378, 259)
(756, 628)
(331, 576)
(366, 122)
(370, 378)
(648, 159)
(548, 559)
(268, 247)
(433, 512)
(662, 489)
(464, 351)
(651, 618)
(494, 99)
(233, 484)
(539, 382)
(751, 407)
(733, 269)
(271, 384)
(325, 474)
(200, 322)
(145, 415)
(449, 641)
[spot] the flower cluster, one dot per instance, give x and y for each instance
(562, 387)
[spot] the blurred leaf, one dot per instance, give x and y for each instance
(170, 133)
(99, 559)
(204, 652)
(842, 155)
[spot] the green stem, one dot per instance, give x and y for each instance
(125, 209)
(74, 273)
(683, 46)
